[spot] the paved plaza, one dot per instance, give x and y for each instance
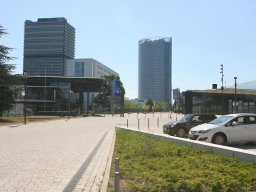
(64, 155)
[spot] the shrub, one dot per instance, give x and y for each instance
(150, 164)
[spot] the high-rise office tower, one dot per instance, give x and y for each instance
(47, 44)
(155, 69)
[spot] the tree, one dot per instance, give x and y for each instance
(104, 96)
(7, 80)
(160, 106)
(149, 103)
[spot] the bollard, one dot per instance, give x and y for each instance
(138, 124)
(117, 165)
(127, 123)
(158, 122)
(148, 123)
(117, 181)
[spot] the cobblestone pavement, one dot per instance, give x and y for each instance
(65, 155)
(61, 155)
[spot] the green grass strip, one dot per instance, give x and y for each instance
(150, 164)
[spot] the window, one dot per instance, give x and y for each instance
(79, 69)
(252, 120)
(241, 120)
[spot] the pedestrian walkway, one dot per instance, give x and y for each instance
(61, 155)
(66, 155)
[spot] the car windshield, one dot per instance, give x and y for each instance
(185, 118)
(221, 120)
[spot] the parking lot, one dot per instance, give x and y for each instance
(153, 122)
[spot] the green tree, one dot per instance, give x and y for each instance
(104, 96)
(7, 80)
(149, 103)
(132, 107)
(160, 106)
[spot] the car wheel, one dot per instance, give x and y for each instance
(181, 132)
(219, 139)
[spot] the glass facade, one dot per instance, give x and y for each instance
(242, 106)
(218, 103)
(206, 104)
(59, 95)
(79, 69)
(47, 43)
(155, 69)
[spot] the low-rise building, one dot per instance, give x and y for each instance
(219, 101)
(87, 67)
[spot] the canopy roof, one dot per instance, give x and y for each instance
(78, 84)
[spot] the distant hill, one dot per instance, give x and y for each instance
(246, 85)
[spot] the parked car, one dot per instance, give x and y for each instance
(181, 127)
(231, 128)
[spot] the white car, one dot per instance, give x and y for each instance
(232, 128)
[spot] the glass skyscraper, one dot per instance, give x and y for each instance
(155, 69)
(47, 44)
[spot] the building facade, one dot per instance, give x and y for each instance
(155, 69)
(56, 83)
(87, 68)
(48, 42)
(215, 101)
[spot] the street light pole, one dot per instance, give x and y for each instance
(25, 97)
(236, 106)
(222, 89)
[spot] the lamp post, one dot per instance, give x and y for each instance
(236, 106)
(25, 97)
(222, 89)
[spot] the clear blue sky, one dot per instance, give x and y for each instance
(205, 33)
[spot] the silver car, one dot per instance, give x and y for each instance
(231, 128)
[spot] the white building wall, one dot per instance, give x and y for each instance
(92, 68)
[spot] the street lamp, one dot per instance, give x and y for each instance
(222, 89)
(236, 106)
(25, 97)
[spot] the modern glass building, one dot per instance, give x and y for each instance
(155, 69)
(47, 44)
(215, 101)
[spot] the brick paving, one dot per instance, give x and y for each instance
(64, 155)
(46, 156)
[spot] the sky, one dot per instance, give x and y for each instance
(205, 34)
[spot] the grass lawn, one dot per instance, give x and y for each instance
(149, 164)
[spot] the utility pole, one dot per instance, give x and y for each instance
(222, 89)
